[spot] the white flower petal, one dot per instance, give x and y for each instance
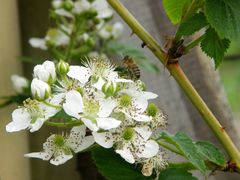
(86, 143)
(74, 104)
(77, 140)
(38, 43)
(40, 155)
(21, 120)
(80, 73)
(99, 84)
(144, 131)
(107, 123)
(19, 83)
(140, 104)
(36, 125)
(141, 118)
(104, 139)
(149, 95)
(61, 159)
(106, 107)
(126, 154)
(92, 126)
(150, 150)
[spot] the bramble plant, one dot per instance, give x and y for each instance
(104, 107)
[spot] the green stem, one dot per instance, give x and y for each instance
(169, 147)
(63, 124)
(176, 71)
(192, 44)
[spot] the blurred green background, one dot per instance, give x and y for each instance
(230, 75)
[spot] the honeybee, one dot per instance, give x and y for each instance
(129, 69)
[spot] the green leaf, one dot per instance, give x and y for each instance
(178, 10)
(211, 152)
(224, 17)
(113, 167)
(214, 46)
(174, 9)
(144, 63)
(187, 147)
(192, 24)
(176, 174)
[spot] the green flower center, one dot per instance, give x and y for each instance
(128, 134)
(125, 100)
(59, 141)
(152, 110)
(91, 107)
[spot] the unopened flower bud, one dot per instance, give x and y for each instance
(20, 84)
(40, 90)
(62, 68)
(109, 89)
(45, 72)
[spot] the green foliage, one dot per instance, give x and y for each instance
(192, 24)
(178, 10)
(17, 99)
(214, 46)
(120, 49)
(187, 147)
(174, 9)
(176, 174)
(211, 152)
(113, 167)
(224, 17)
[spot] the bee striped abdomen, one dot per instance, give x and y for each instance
(131, 67)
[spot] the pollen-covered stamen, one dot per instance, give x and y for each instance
(159, 120)
(125, 101)
(99, 67)
(34, 109)
(156, 163)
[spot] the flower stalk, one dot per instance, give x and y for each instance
(177, 72)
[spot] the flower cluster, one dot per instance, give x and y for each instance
(84, 21)
(111, 111)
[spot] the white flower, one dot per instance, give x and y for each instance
(117, 30)
(45, 72)
(101, 6)
(40, 90)
(106, 32)
(102, 9)
(38, 43)
(131, 143)
(100, 71)
(59, 148)
(57, 38)
(33, 114)
(94, 115)
(20, 84)
(81, 6)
